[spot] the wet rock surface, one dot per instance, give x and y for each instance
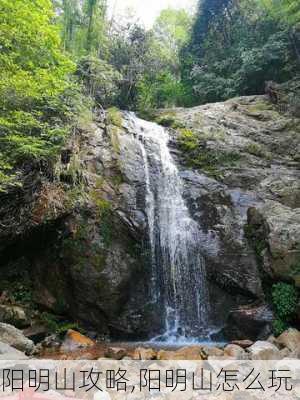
(285, 346)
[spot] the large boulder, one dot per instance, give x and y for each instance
(276, 228)
(235, 351)
(14, 315)
(15, 338)
(263, 350)
(141, 353)
(249, 322)
(8, 352)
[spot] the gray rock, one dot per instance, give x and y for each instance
(235, 351)
(15, 338)
(263, 350)
(14, 315)
(289, 339)
(7, 352)
(278, 227)
(249, 322)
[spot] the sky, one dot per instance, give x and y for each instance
(146, 10)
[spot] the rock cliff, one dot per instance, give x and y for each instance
(76, 232)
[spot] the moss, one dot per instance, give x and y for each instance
(199, 157)
(114, 117)
(256, 150)
(74, 196)
(117, 180)
(114, 138)
(99, 182)
(103, 208)
(258, 244)
(82, 251)
(169, 120)
(261, 106)
(98, 260)
(262, 110)
(279, 327)
(217, 135)
(70, 174)
(19, 292)
(188, 140)
(148, 115)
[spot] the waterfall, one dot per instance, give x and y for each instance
(179, 282)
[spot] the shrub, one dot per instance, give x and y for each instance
(279, 327)
(114, 116)
(36, 94)
(285, 299)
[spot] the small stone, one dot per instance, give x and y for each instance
(285, 353)
(290, 339)
(235, 351)
(212, 351)
(243, 343)
(186, 353)
(144, 354)
(36, 332)
(116, 353)
(75, 340)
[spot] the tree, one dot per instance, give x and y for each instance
(161, 85)
(244, 45)
(287, 12)
(207, 12)
(131, 56)
(70, 21)
(100, 79)
(33, 82)
(171, 32)
(83, 26)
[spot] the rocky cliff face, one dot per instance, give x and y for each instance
(77, 230)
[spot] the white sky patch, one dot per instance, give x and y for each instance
(146, 10)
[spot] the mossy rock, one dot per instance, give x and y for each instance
(197, 155)
(114, 117)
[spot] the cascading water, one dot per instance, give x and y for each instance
(178, 270)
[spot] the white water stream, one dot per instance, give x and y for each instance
(179, 281)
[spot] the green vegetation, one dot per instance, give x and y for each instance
(285, 300)
(168, 119)
(114, 116)
(198, 155)
(236, 46)
(256, 150)
(279, 327)
(58, 55)
(56, 325)
(35, 93)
